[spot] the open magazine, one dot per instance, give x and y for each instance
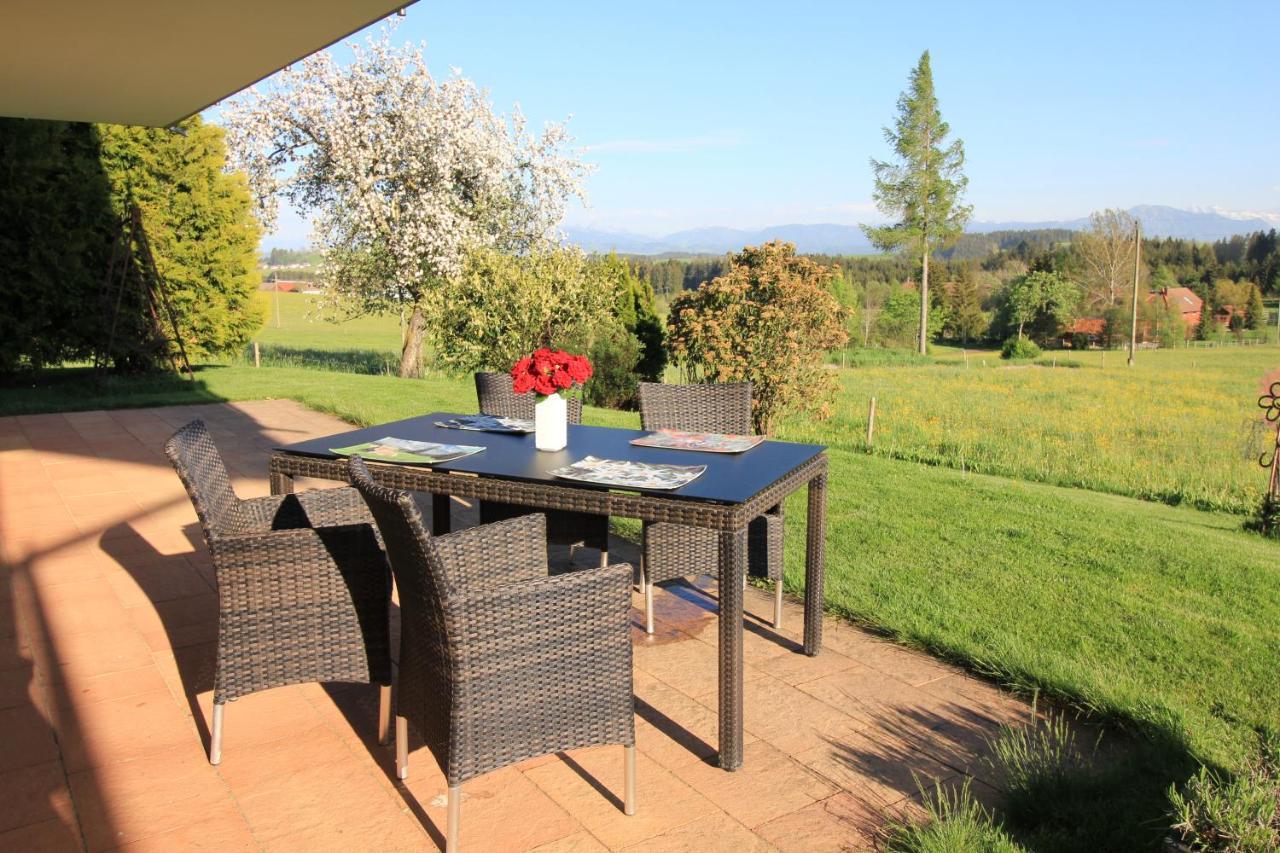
(629, 475)
(487, 423)
(709, 442)
(407, 451)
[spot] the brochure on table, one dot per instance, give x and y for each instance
(630, 475)
(406, 451)
(708, 442)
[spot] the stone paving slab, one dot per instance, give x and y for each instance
(107, 625)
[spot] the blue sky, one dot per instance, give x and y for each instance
(750, 114)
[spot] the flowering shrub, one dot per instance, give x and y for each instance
(548, 371)
(768, 321)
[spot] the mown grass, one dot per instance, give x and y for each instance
(302, 327)
(1159, 619)
(1182, 426)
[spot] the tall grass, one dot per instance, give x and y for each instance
(955, 823)
(1181, 427)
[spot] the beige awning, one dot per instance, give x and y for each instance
(155, 62)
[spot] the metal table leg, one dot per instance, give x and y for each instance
(733, 568)
(815, 564)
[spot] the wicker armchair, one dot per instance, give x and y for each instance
(303, 587)
(675, 550)
(498, 661)
(496, 396)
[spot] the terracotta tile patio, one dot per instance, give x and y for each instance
(106, 658)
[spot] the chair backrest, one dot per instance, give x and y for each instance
(724, 407)
(200, 467)
(496, 395)
(403, 531)
(426, 665)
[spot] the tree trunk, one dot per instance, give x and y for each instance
(924, 303)
(411, 353)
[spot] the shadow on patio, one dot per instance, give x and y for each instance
(107, 680)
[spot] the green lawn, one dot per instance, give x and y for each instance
(302, 327)
(296, 334)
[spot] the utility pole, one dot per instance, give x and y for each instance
(1137, 265)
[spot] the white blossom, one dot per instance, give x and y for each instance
(403, 173)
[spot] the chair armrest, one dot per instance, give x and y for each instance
(503, 553)
(313, 508)
(302, 551)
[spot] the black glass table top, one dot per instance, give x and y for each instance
(729, 478)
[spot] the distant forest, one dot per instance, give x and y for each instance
(1252, 257)
(289, 257)
(977, 275)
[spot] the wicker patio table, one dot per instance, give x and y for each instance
(734, 489)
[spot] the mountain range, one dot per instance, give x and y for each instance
(832, 239)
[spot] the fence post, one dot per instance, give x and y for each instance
(871, 422)
(257, 355)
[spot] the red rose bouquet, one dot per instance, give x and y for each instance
(548, 371)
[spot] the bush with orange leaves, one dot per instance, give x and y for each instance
(767, 321)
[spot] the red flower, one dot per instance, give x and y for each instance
(546, 371)
(579, 368)
(543, 385)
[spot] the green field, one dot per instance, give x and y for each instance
(1181, 426)
(1159, 619)
(297, 334)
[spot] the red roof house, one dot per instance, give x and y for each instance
(1183, 300)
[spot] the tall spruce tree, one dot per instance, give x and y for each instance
(965, 318)
(922, 189)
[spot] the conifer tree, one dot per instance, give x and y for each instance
(966, 318)
(922, 189)
(1255, 312)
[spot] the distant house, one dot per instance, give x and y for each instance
(1226, 314)
(1090, 328)
(283, 286)
(1185, 302)
(1181, 299)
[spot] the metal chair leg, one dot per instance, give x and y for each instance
(384, 714)
(629, 797)
(215, 736)
(777, 604)
(402, 748)
(648, 601)
(604, 557)
(451, 826)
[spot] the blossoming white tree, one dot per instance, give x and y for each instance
(404, 174)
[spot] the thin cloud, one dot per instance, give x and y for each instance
(664, 146)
